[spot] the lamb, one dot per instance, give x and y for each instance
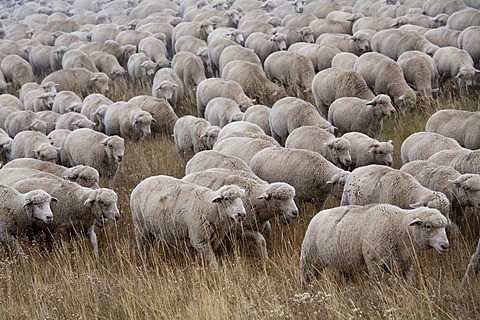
(18, 121)
(385, 76)
(105, 152)
(420, 70)
(167, 85)
(176, 222)
(140, 67)
(192, 135)
(259, 115)
(335, 150)
(463, 160)
(365, 150)
(330, 84)
(19, 211)
(422, 145)
(79, 80)
(468, 40)
(189, 69)
(78, 208)
(289, 113)
(66, 101)
(266, 44)
(209, 159)
(128, 121)
(33, 144)
(242, 147)
(216, 87)
(463, 19)
(376, 237)
(75, 58)
(221, 111)
(263, 201)
(16, 70)
(108, 64)
(313, 182)
(73, 121)
(90, 107)
(381, 184)
(456, 64)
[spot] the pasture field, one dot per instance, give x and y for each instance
(67, 282)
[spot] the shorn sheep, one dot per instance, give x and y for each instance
(377, 237)
(189, 213)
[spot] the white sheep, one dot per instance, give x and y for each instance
(463, 160)
(198, 29)
(167, 85)
(38, 100)
(5, 146)
(394, 42)
(242, 128)
(105, 152)
(356, 44)
(128, 121)
(8, 100)
(353, 114)
(313, 182)
(209, 159)
(377, 238)
(189, 69)
(79, 80)
(18, 121)
(192, 135)
(381, 184)
(16, 70)
(202, 220)
(121, 52)
(443, 36)
(33, 144)
(460, 125)
(468, 40)
(214, 51)
(72, 121)
(463, 19)
(140, 67)
(263, 201)
(297, 34)
(155, 49)
(289, 113)
(259, 115)
(243, 147)
(330, 84)
(266, 44)
(365, 150)
(66, 101)
(344, 61)
(322, 26)
(336, 150)
(90, 108)
(78, 208)
(75, 58)
(108, 64)
(50, 119)
(420, 70)
(221, 111)
(232, 53)
(57, 138)
(18, 212)
(421, 145)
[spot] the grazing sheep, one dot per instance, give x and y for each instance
(75, 58)
(365, 150)
(78, 208)
(463, 19)
(90, 107)
(128, 121)
(16, 70)
(420, 70)
(421, 145)
(209, 159)
(233, 53)
(140, 67)
(335, 150)
(192, 135)
(66, 101)
(468, 40)
(214, 51)
(167, 85)
(313, 182)
(105, 152)
(155, 49)
(18, 212)
(121, 52)
(108, 64)
(266, 44)
(33, 144)
(18, 121)
(189, 69)
(322, 26)
(239, 128)
(216, 87)
(38, 100)
(73, 121)
(190, 44)
(330, 84)
(5, 146)
(50, 118)
(221, 111)
(263, 201)
(443, 37)
(259, 115)
(161, 111)
(394, 42)
(202, 220)
(384, 75)
(463, 160)
(290, 113)
(79, 80)
(381, 184)
(243, 147)
(378, 238)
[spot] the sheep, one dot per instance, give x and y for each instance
(16, 70)
(322, 26)
(254, 82)
(384, 75)
(5, 146)
(320, 55)
(468, 40)
(155, 49)
(189, 69)
(66, 101)
(161, 111)
(295, 20)
(198, 29)
(57, 138)
(443, 37)
(73, 121)
(45, 59)
(266, 44)
(8, 100)
(226, 33)
(232, 53)
(91, 105)
(167, 85)
(263, 201)
(357, 44)
(192, 135)
(214, 51)
(421, 145)
(108, 64)
(18, 121)
(330, 84)
(38, 100)
(209, 159)
(243, 147)
(264, 26)
(105, 152)
(376, 237)
(140, 67)
(420, 70)
(75, 58)
(104, 32)
(289, 113)
(50, 119)
(216, 87)
(365, 150)
(204, 227)
(463, 160)
(335, 150)
(434, 7)
(78, 208)
(463, 19)
(79, 80)
(221, 111)
(241, 128)
(473, 266)
(259, 115)
(19, 211)
(456, 64)
(381, 184)
(33, 144)
(190, 44)
(313, 183)
(297, 34)
(131, 37)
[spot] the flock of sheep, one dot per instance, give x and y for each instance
(290, 99)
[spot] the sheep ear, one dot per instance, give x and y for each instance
(26, 203)
(416, 205)
(390, 141)
(401, 98)
(371, 103)
(104, 141)
(217, 198)
(89, 202)
(54, 200)
(416, 221)
(153, 120)
(265, 196)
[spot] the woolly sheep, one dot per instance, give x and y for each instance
(5, 146)
(295, 20)
(296, 34)
(198, 29)
(381, 184)
(221, 111)
(313, 182)
(66, 101)
(140, 67)
(238, 128)
(176, 222)
(330, 84)
(226, 33)
(75, 58)
(79, 80)
(365, 150)
(443, 37)
(192, 135)
(108, 64)
(463, 19)
(131, 37)
(72, 121)
(16, 70)
(45, 59)
(38, 100)
(289, 113)
(377, 237)
(421, 145)
(121, 52)
(320, 55)
(420, 70)
(263, 201)
(155, 49)
(385, 76)
(91, 105)
(335, 150)
(190, 44)
(468, 40)
(57, 138)
(259, 115)
(322, 26)
(10, 176)
(128, 121)
(266, 44)
(50, 119)
(33, 144)
(18, 121)
(434, 7)
(78, 207)
(18, 212)
(233, 53)
(167, 85)
(8, 100)
(209, 159)
(105, 152)
(264, 26)
(463, 160)
(189, 69)
(214, 51)
(244, 148)
(356, 44)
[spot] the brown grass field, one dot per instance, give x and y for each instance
(67, 282)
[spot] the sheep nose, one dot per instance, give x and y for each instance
(295, 213)
(445, 246)
(348, 162)
(120, 158)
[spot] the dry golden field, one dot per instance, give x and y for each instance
(67, 282)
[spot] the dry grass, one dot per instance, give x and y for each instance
(68, 283)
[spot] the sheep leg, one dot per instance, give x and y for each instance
(259, 240)
(93, 239)
(139, 239)
(13, 244)
(473, 266)
(206, 252)
(309, 269)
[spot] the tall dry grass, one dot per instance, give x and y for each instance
(66, 282)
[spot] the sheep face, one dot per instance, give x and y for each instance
(307, 35)
(46, 152)
(100, 81)
(82, 123)
(339, 150)
(238, 37)
(467, 189)
(299, 5)
(382, 106)
(84, 176)
(280, 40)
(229, 202)
(337, 183)
(167, 89)
(114, 148)
(38, 125)
(435, 200)
(103, 203)
(427, 229)
(142, 121)
(37, 204)
(278, 198)
(466, 77)
(382, 152)
(47, 99)
(209, 137)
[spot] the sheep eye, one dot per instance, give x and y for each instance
(428, 226)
